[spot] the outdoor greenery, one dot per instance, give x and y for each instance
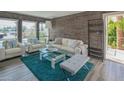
(43, 37)
(112, 35)
(112, 31)
(120, 24)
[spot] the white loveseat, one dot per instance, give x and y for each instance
(71, 45)
(10, 52)
(34, 45)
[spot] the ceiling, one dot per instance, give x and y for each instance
(47, 14)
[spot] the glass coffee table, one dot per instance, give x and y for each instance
(53, 55)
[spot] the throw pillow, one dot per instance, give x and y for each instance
(65, 42)
(14, 43)
(9, 44)
(73, 43)
(58, 41)
(35, 41)
(4, 44)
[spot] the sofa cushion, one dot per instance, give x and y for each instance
(68, 49)
(64, 42)
(58, 41)
(72, 43)
(57, 46)
(36, 46)
(13, 50)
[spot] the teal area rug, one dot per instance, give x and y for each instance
(43, 71)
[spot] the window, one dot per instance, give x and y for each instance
(43, 33)
(28, 30)
(8, 29)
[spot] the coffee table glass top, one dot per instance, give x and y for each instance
(52, 55)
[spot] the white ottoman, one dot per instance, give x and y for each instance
(75, 63)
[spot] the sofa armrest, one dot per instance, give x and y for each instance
(23, 48)
(78, 50)
(2, 53)
(84, 49)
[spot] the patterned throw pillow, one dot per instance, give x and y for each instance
(35, 41)
(58, 41)
(72, 43)
(9, 44)
(4, 44)
(14, 43)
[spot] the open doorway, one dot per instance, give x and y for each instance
(114, 37)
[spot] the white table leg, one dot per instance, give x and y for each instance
(53, 63)
(41, 56)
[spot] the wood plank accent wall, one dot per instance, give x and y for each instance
(76, 26)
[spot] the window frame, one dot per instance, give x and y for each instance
(29, 21)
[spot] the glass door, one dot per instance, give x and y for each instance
(115, 37)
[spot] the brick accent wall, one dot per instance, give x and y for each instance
(120, 35)
(74, 26)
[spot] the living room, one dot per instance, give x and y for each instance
(57, 46)
(61, 46)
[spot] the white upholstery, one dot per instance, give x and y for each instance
(68, 49)
(56, 45)
(37, 46)
(58, 41)
(74, 64)
(12, 52)
(65, 42)
(71, 45)
(2, 53)
(34, 47)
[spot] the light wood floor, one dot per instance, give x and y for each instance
(15, 70)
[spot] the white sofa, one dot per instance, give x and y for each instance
(34, 45)
(71, 45)
(6, 53)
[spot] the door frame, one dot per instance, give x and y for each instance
(105, 18)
